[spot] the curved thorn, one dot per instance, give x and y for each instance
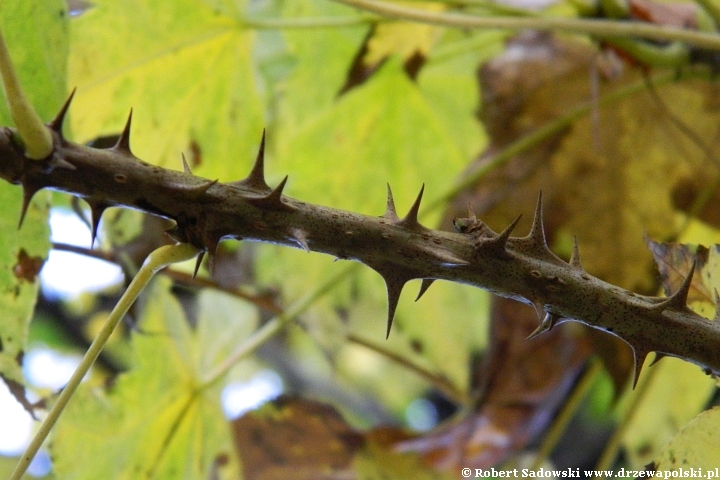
(186, 167)
(575, 256)
(678, 300)
(36, 136)
(198, 262)
(390, 211)
(123, 143)
(57, 123)
(411, 219)
(426, 282)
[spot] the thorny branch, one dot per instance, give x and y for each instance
(399, 249)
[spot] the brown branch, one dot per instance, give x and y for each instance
(399, 249)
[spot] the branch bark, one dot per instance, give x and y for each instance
(399, 249)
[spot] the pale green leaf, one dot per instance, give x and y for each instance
(678, 391)
(158, 421)
(185, 68)
(697, 445)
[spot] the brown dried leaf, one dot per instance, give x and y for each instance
(521, 383)
(294, 438)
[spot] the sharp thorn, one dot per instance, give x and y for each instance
(198, 262)
(390, 211)
(298, 236)
(29, 192)
(96, 210)
(537, 231)
(256, 179)
(186, 167)
(426, 282)
(410, 220)
(394, 289)
(273, 200)
(56, 124)
(639, 359)
(499, 241)
(575, 256)
(678, 300)
(123, 143)
(197, 191)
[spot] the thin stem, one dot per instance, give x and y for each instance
(598, 28)
(568, 410)
(317, 22)
(439, 382)
(157, 260)
(272, 327)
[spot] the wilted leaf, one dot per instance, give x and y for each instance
(520, 385)
(158, 420)
(31, 30)
(307, 440)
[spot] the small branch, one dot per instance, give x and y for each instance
(602, 29)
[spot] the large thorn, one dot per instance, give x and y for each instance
(56, 123)
(446, 257)
(186, 167)
(639, 357)
(390, 212)
(256, 179)
(550, 320)
(498, 243)
(575, 256)
(123, 143)
(198, 262)
(394, 289)
(273, 200)
(411, 219)
(96, 210)
(426, 282)
(678, 300)
(36, 136)
(29, 191)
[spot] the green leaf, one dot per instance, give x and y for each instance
(186, 68)
(36, 34)
(160, 420)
